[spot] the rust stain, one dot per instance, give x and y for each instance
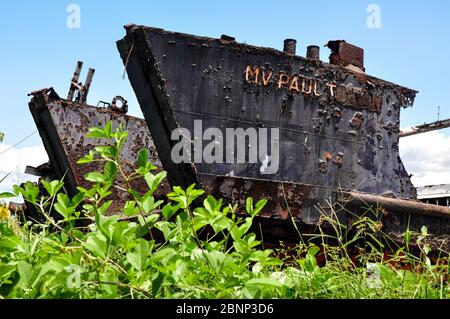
(63, 126)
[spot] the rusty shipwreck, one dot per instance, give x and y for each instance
(338, 127)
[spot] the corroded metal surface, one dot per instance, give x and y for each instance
(397, 216)
(344, 54)
(338, 128)
(285, 200)
(63, 126)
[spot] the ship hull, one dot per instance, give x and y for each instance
(337, 129)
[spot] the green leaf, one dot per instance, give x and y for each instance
(424, 230)
(169, 210)
(107, 225)
(313, 250)
(120, 135)
(137, 257)
(249, 205)
(104, 190)
(6, 270)
(426, 249)
(2, 136)
(95, 177)
(167, 228)
(148, 221)
(215, 259)
(153, 181)
(259, 206)
(220, 223)
(29, 191)
(95, 132)
(194, 194)
(88, 193)
(25, 272)
(157, 283)
(143, 156)
(77, 199)
(309, 263)
(148, 204)
(262, 283)
(97, 244)
(110, 278)
(47, 186)
(7, 195)
(147, 168)
(105, 206)
(110, 171)
(163, 256)
(238, 232)
(89, 158)
(63, 207)
(242, 247)
(105, 132)
(107, 151)
(124, 233)
(52, 187)
(107, 129)
(55, 265)
(130, 208)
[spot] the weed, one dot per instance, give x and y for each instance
(206, 251)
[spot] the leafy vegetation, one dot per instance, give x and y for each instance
(179, 249)
(1, 141)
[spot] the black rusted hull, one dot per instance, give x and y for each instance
(339, 135)
(63, 126)
(342, 134)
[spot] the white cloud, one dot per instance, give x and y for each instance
(427, 157)
(13, 162)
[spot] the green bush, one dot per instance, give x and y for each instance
(206, 251)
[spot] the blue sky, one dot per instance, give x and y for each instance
(411, 48)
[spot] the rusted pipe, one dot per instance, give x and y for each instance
(290, 46)
(227, 38)
(313, 52)
(87, 85)
(356, 199)
(75, 79)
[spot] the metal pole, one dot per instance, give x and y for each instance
(392, 204)
(426, 128)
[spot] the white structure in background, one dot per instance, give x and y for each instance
(434, 194)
